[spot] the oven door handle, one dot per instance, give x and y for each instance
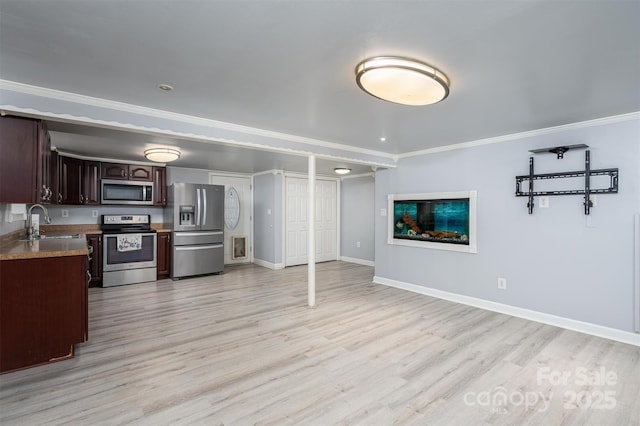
(190, 248)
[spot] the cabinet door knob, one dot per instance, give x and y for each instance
(81, 199)
(59, 198)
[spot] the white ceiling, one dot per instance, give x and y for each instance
(288, 67)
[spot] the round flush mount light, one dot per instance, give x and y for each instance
(162, 155)
(165, 87)
(402, 80)
(341, 170)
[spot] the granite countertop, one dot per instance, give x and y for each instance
(91, 229)
(12, 248)
(16, 249)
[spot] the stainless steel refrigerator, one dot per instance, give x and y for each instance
(196, 214)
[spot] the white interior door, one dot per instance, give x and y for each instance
(243, 204)
(296, 228)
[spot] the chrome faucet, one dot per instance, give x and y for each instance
(47, 219)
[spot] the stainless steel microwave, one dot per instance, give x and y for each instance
(126, 192)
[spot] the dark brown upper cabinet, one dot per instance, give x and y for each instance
(160, 186)
(126, 172)
(25, 154)
(77, 182)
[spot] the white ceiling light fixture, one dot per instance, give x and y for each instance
(162, 155)
(402, 80)
(341, 170)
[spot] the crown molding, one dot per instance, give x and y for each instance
(105, 159)
(67, 118)
(269, 172)
(505, 138)
(360, 175)
(167, 115)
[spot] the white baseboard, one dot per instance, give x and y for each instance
(356, 260)
(567, 323)
(269, 265)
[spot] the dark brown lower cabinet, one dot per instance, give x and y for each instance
(95, 261)
(164, 254)
(43, 310)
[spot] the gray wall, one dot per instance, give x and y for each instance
(357, 217)
(557, 261)
(267, 227)
(183, 174)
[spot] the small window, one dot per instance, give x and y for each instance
(231, 208)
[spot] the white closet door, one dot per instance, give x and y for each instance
(296, 228)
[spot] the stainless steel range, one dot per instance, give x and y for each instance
(129, 251)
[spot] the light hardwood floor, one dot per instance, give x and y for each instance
(243, 348)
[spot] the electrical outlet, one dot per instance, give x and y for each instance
(65, 213)
(358, 244)
(383, 212)
(94, 213)
(544, 202)
(502, 283)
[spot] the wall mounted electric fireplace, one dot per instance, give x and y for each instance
(440, 220)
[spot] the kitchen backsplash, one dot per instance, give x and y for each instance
(7, 227)
(85, 214)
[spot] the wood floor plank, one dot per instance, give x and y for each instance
(243, 348)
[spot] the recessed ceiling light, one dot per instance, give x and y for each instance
(165, 87)
(383, 139)
(402, 80)
(342, 170)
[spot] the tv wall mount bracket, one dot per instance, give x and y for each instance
(587, 173)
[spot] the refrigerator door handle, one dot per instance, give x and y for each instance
(204, 202)
(198, 207)
(197, 234)
(191, 248)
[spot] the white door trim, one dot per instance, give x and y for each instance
(213, 174)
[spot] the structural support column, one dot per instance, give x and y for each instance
(311, 239)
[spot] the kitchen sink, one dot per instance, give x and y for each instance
(50, 237)
(53, 237)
